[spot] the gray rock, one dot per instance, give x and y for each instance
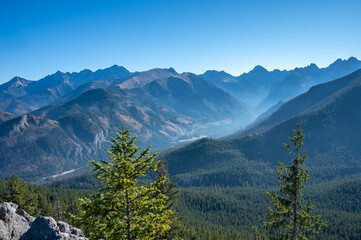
(18, 224)
(76, 232)
(24, 214)
(42, 228)
(66, 228)
(63, 227)
(48, 228)
(12, 225)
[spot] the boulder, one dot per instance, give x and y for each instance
(24, 214)
(12, 224)
(17, 224)
(48, 228)
(43, 228)
(66, 228)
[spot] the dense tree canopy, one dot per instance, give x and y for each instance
(123, 208)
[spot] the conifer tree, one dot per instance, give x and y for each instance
(16, 190)
(290, 217)
(57, 210)
(44, 207)
(169, 189)
(123, 208)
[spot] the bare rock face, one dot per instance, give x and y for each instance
(12, 224)
(48, 228)
(43, 228)
(18, 224)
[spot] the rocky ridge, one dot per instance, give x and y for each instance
(17, 224)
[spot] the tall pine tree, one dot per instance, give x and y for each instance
(290, 217)
(123, 208)
(16, 190)
(169, 189)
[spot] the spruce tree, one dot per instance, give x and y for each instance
(290, 217)
(58, 210)
(169, 189)
(123, 208)
(16, 190)
(44, 207)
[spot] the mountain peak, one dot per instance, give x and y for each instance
(15, 81)
(340, 62)
(59, 73)
(259, 68)
(352, 59)
(313, 65)
(215, 72)
(172, 70)
(18, 79)
(116, 67)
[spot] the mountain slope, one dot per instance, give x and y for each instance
(40, 145)
(249, 87)
(301, 79)
(16, 87)
(304, 102)
(332, 143)
(50, 88)
(140, 79)
(136, 79)
(15, 106)
(106, 110)
(192, 95)
(81, 131)
(164, 112)
(5, 116)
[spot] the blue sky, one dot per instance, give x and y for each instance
(40, 37)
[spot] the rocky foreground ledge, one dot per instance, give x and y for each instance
(17, 224)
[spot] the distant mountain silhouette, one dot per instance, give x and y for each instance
(269, 111)
(134, 80)
(15, 106)
(304, 102)
(262, 89)
(194, 96)
(50, 88)
(251, 87)
(301, 79)
(140, 79)
(330, 115)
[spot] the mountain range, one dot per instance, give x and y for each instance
(263, 89)
(330, 115)
(63, 120)
(162, 108)
(48, 89)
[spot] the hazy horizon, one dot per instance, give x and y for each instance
(136, 70)
(40, 38)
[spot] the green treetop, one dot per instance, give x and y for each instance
(289, 217)
(16, 190)
(123, 208)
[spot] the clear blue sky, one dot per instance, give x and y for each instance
(40, 37)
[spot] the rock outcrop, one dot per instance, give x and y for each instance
(18, 224)
(12, 224)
